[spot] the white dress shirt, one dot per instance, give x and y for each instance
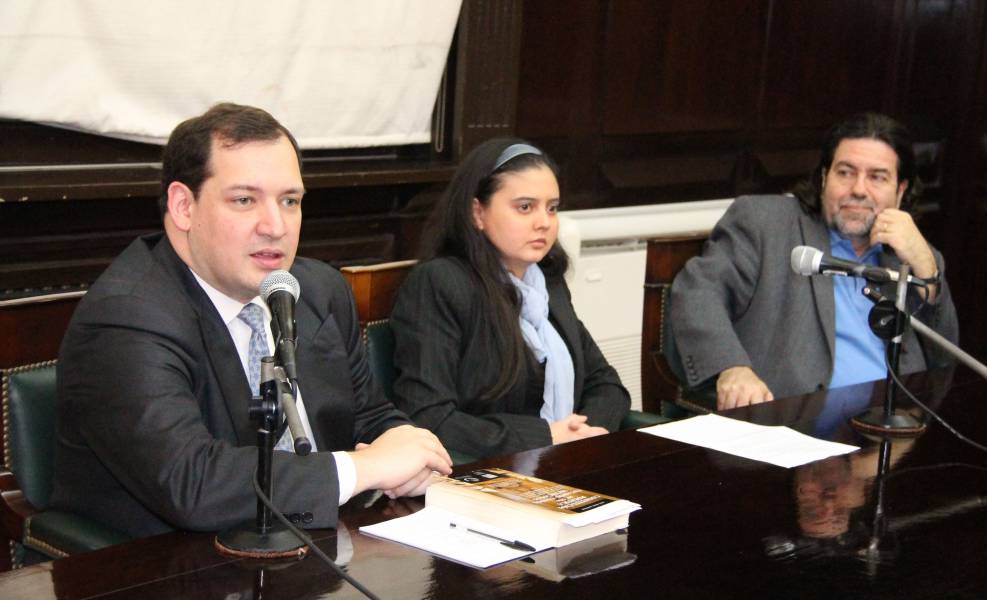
(229, 310)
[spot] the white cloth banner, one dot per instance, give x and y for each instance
(337, 73)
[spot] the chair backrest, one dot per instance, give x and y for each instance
(666, 257)
(375, 288)
(32, 328)
(29, 429)
(380, 354)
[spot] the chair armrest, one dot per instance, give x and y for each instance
(636, 419)
(15, 508)
(56, 534)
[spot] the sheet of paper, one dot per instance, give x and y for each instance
(776, 445)
(431, 530)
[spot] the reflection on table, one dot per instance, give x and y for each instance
(712, 525)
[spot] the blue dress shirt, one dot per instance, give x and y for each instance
(859, 353)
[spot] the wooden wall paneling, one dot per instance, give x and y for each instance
(32, 331)
(111, 213)
(827, 60)
(487, 53)
(561, 77)
(966, 219)
(683, 66)
(668, 177)
(942, 73)
(560, 68)
(78, 182)
(351, 224)
(358, 240)
(51, 246)
(24, 143)
(65, 244)
(940, 65)
(937, 96)
(972, 210)
(610, 73)
(777, 168)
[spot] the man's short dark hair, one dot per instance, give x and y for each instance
(186, 156)
(863, 126)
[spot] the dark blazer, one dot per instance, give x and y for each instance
(740, 303)
(152, 424)
(445, 357)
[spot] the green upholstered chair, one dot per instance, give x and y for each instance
(29, 444)
(380, 354)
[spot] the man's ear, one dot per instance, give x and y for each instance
(181, 204)
(477, 214)
(902, 188)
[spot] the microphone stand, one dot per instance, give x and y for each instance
(886, 420)
(871, 421)
(265, 537)
(880, 549)
(284, 356)
(883, 547)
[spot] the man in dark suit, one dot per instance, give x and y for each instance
(743, 320)
(153, 432)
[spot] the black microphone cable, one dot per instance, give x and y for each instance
(929, 411)
(305, 539)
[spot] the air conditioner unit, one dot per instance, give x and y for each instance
(608, 250)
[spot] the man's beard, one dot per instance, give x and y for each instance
(855, 227)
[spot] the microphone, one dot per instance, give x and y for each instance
(280, 290)
(807, 260)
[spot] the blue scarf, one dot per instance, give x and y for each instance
(546, 344)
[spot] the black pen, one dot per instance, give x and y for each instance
(515, 545)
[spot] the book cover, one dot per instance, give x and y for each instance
(538, 512)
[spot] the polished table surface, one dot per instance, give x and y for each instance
(712, 525)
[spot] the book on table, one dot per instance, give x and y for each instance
(491, 516)
(539, 513)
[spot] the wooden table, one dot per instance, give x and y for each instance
(712, 525)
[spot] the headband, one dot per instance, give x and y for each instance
(513, 151)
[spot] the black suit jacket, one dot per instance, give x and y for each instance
(152, 424)
(445, 357)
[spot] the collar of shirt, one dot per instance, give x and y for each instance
(228, 308)
(841, 247)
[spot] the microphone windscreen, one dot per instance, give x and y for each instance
(280, 281)
(805, 260)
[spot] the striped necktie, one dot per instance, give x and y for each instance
(253, 316)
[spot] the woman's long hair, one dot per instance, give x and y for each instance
(451, 232)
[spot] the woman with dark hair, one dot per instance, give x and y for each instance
(489, 352)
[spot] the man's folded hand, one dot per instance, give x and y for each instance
(400, 461)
